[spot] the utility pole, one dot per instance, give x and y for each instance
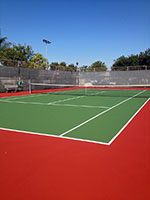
(46, 43)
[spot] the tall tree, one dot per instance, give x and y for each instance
(144, 57)
(63, 64)
(37, 62)
(23, 53)
(132, 62)
(84, 68)
(54, 65)
(98, 66)
(17, 53)
(71, 67)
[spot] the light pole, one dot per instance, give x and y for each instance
(46, 43)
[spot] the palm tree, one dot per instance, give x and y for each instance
(77, 64)
(4, 44)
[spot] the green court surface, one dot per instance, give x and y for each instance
(97, 119)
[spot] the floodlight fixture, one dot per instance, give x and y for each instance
(46, 43)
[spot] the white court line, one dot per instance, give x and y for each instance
(23, 96)
(53, 104)
(101, 113)
(37, 95)
(71, 138)
(23, 102)
(78, 97)
(50, 135)
(111, 141)
(78, 106)
(63, 100)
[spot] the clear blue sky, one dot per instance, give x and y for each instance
(81, 31)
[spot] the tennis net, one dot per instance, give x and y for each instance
(135, 91)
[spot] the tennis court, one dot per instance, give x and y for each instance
(71, 142)
(87, 114)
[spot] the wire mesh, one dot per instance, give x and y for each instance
(108, 78)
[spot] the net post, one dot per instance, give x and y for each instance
(30, 87)
(86, 92)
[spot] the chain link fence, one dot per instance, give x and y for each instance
(141, 77)
(11, 75)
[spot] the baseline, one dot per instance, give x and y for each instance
(51, 135)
